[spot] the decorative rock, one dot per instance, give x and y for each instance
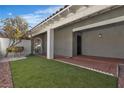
(5, 76)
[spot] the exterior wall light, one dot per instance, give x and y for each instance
(29, 36)
(100, 35)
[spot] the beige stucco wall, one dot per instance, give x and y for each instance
(64, 41)
(110, 45)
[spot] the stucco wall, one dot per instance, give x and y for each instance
(63, 41)
(25, 43)
(111, 44)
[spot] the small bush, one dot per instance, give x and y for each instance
(15, 49)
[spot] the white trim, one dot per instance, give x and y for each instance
(85, 67)
(78, 15)
(102, 23)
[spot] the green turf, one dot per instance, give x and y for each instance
(40, 72)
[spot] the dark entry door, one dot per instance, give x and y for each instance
(78, 44)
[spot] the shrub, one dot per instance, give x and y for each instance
(15, 49)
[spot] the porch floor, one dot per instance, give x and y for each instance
(106, 65)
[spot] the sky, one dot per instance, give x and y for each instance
(33, 14)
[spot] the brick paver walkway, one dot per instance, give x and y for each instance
(107, 65)
(5, 75)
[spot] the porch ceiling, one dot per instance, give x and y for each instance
(102, 23)
(59, 19)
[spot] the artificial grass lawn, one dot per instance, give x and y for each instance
(40, 72)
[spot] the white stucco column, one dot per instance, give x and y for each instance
(50, 44)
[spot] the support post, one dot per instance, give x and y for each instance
(50, 44)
